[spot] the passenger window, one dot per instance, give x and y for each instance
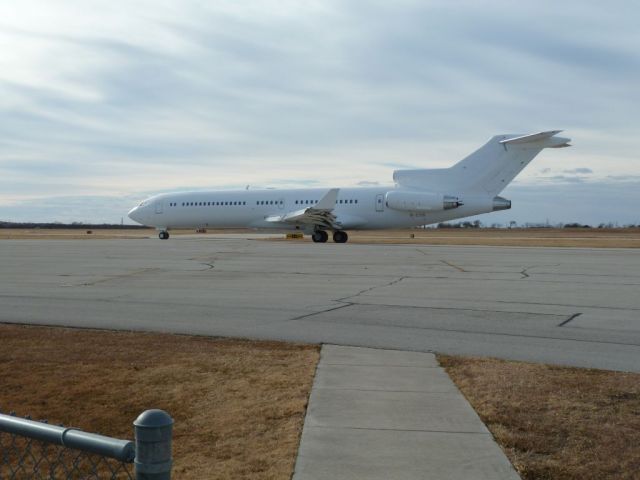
(356, 200)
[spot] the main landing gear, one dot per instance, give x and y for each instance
(340, 237)
(321, 236)
(163, 235)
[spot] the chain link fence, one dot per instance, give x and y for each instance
(37, 450)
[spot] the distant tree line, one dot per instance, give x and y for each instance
(78, 225)
(513, 224)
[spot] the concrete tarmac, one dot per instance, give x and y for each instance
(566, 306)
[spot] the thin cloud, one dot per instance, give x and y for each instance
(580, 170)
(99, 99)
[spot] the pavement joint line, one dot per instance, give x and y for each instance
(417, 430)
(454, 308)
(472, 332)
(518, 302)
(421, 392)
(378, 364)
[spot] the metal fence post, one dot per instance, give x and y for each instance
(153, 445)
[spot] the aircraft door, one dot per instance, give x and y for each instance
(159, 206)
(379, 203)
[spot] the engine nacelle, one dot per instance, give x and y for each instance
(420, 201)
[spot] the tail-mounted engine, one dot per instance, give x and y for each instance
(421, 201)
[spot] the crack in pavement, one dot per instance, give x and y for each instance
(343, 300)
(562, 324)
(453, 265)
(327, 310)
(388, 284)
(116, 277)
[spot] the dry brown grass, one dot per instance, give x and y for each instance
(71, 233)
(80, 234)
(238, 405)
(530, 237)
(556, 422)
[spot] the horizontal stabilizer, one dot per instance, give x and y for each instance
(534, 137)
(549, 142)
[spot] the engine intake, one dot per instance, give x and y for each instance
(421, 201)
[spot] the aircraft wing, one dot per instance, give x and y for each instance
(320, 214)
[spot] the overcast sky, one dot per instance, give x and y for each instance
(105, 102)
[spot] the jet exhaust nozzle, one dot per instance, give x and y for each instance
(451, 202)
(500, 203)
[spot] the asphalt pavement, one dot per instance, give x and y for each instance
(567, 306)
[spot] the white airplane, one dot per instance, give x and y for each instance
(419, 197)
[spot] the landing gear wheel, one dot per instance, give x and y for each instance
(320, 236)
(340, 237)
(163, 235)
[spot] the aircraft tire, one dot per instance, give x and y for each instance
(163, 235)
(340, 237)
(320, 236)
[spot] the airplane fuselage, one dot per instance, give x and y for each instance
(358, 208)
(419, 197)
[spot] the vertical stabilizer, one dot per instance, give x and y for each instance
(488, 170)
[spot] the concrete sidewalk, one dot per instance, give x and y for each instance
(387, 414)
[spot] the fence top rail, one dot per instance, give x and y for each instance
(122, 450)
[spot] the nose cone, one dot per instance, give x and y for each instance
(135, 214)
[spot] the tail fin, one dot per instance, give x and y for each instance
(488, 170)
